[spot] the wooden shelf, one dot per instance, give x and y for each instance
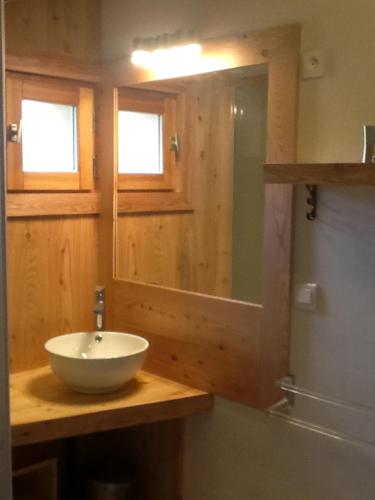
(330, 174)
(43, 408)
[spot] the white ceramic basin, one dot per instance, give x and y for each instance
(97, 362)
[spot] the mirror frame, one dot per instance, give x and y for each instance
(234, 349)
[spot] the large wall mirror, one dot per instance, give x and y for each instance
(202, 248)
(204, 137)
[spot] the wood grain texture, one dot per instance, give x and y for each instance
(52, 266)
(71, 69)
(278, 214)
(190, 251)
(268, 358)
(234, 51)
(328, 174)
(50, 204)
(43, 408)
(133, 203)
(206, 342)
(59, 28)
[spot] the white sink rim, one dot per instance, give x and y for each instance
(93, 367)
(50, 346)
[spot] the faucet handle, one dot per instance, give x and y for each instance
(99, 308)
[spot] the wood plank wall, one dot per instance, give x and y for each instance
(192, 250)
(52, 266)
(54, 28)
(52, 261)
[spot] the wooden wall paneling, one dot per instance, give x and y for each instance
(57, 67)
(210, 127)
(277, 247)
(202, 341)
(54, 28)
(190, 251)
(52, 261)
(167, 260)
(52, 266)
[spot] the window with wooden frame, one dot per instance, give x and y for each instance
(50, 144)
(147, 140)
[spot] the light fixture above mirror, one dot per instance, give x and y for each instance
(166, 49)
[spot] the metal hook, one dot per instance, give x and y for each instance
(312, 200)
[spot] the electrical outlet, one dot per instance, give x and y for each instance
(313, 64)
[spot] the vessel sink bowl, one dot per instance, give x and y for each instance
(96, 362)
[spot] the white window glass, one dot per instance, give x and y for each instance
(49, 137)
(140, 144)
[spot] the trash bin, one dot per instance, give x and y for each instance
(112, 480)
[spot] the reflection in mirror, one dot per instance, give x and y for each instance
(215, 246)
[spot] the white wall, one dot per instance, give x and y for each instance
(238, 453)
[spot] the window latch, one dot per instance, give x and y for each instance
(15, 133)
(174, 144)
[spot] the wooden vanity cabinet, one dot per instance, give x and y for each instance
(57, 470)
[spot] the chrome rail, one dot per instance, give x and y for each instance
(282, 408)
(286, 385)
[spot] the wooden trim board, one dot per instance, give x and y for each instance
(203, 341)
(283, 77)
(133, 203)
(69, 68)
(328, 174)
(51, 204)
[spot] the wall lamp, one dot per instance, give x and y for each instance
(166, 50)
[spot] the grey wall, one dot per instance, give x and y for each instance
(237, 453)
(248, 198)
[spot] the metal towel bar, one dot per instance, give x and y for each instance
(281, 408)
(286, 384)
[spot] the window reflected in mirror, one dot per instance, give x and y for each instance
(215, 247)
(140, 143)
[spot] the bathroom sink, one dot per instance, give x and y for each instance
(96, 362)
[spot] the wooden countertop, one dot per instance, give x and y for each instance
(43, 408)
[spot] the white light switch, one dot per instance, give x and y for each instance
(313, 64)
(306, 295)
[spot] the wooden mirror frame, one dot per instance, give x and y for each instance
(233, 349)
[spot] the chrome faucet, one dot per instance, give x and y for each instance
(99, 308)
